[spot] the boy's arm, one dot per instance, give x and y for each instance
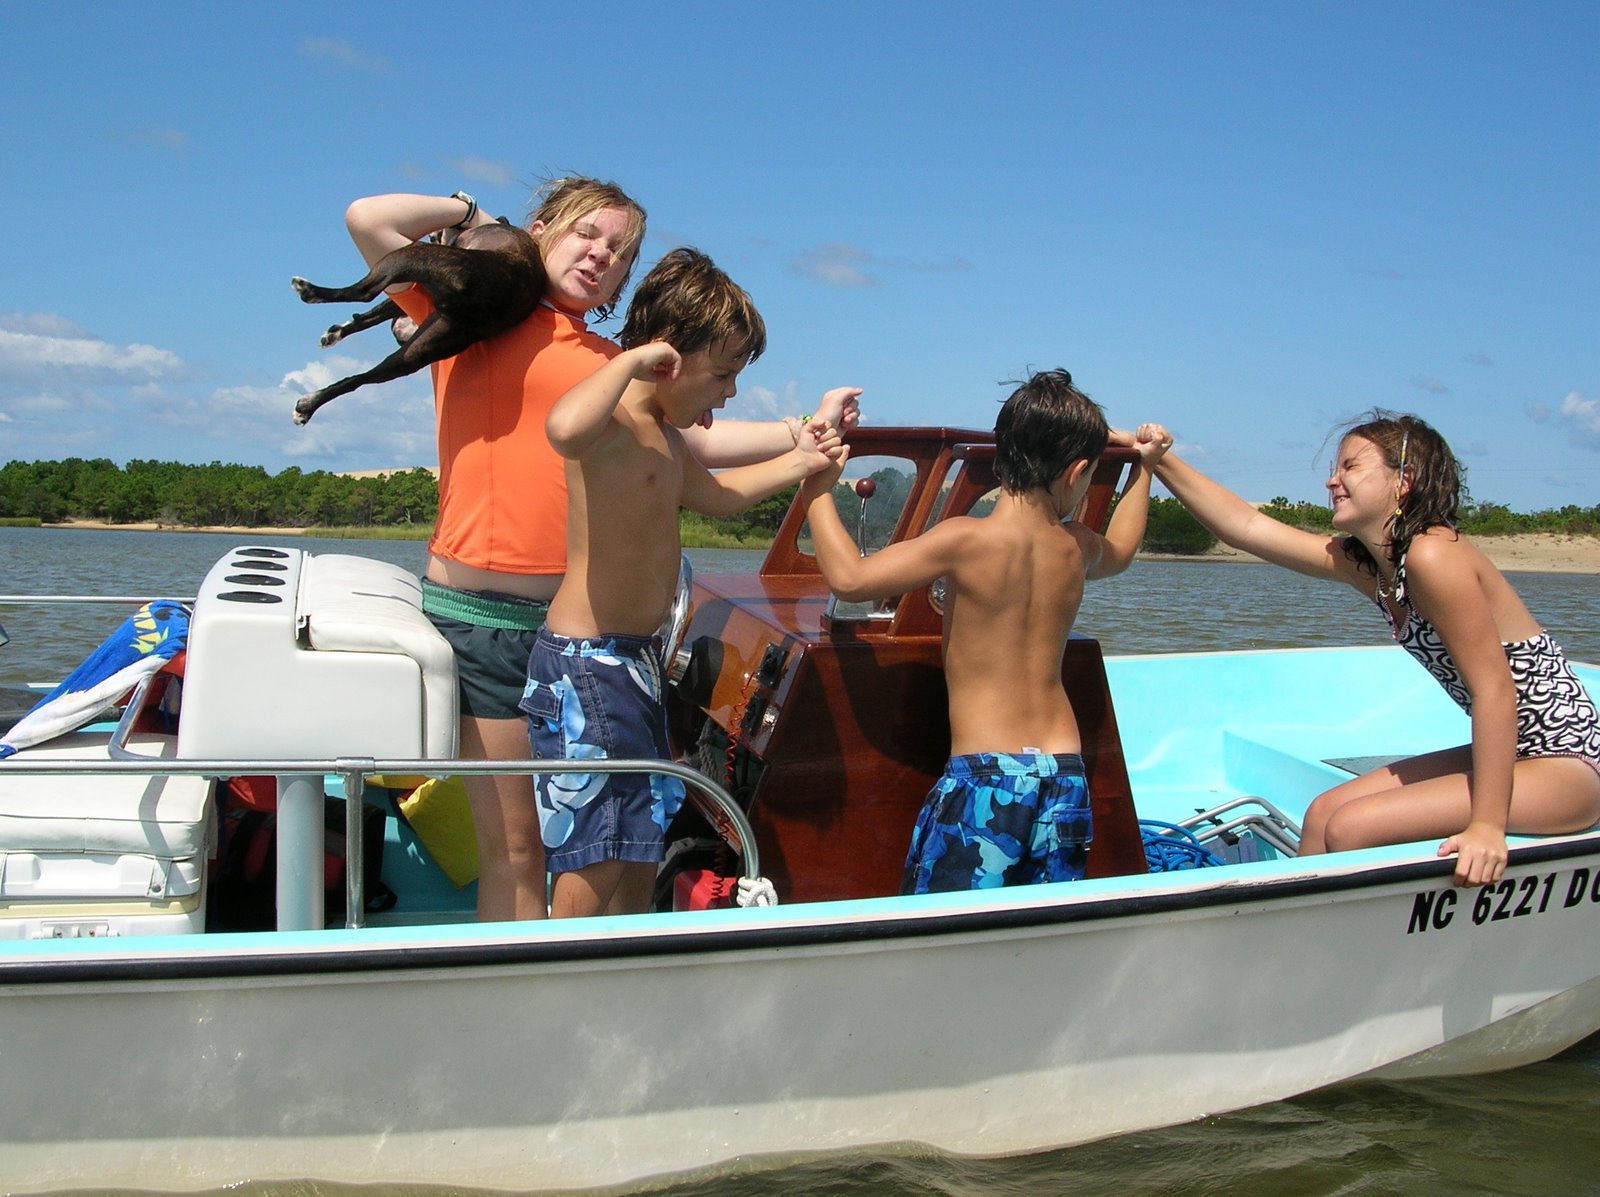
(899, 568)
(584, 414)
(745, 442)
(733, 490)
(1125, 533)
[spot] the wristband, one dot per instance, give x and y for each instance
(472, 208)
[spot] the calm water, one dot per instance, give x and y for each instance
(1533, 1131)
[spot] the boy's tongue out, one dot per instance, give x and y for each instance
(705, 418)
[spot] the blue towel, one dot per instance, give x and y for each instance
(145, 642)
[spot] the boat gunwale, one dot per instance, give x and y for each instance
(396, 949)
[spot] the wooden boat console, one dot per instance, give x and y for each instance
(831, 725)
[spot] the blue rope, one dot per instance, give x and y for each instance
(1169, 848)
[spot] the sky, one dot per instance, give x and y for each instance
(1248, 221)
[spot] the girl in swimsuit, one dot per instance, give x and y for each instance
(1533, 764)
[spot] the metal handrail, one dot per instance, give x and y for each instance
(7, 600)
(707, 795)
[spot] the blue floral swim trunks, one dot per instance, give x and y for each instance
(592, 700)
(998, 819)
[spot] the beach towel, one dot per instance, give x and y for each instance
(145, 642)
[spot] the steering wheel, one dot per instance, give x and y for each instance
(674, 657)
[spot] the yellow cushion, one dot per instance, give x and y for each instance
(439, 813)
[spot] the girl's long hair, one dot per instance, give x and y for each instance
(1412, 446)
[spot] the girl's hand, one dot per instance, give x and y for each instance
(1480, 853)
(655, 362)
(821, 445)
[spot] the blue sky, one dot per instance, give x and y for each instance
(1246, 220)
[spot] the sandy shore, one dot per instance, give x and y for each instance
(1537, 552)
(1533, 552)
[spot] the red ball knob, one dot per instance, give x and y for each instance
(866, 488)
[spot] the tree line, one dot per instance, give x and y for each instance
(1171, 529)
(218, 495)
(197, 496)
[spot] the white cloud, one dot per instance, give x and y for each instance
(836, 264)
(482, 170)
(46, 324)
(337, 50)
(318, 373)
(160, 137)
(1583, 417)
(760, 403)
(69, 350)
(842, 265)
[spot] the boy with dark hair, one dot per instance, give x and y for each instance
(594, 676)
(1012, 806)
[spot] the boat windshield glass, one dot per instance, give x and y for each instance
(871, 517)
(870, 498)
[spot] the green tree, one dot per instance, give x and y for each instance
(1171, 529)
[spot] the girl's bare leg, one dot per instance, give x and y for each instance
(1430, 796)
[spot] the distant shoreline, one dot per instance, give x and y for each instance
(1531, 552)
(1528, 552)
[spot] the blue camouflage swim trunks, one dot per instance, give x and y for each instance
(998, 819)
(593, 700)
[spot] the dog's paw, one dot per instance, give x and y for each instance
(333, 336)
(302, 288)
(305, 409)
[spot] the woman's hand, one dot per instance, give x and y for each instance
(1151, 442)
(840, 408)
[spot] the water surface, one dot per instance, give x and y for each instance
(1533, 1131)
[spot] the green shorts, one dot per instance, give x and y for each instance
(491, 635)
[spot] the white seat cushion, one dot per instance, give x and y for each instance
(357, 604)
(168, 818)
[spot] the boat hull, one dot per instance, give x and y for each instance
(1013, 1021)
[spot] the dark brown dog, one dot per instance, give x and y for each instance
(488, 281)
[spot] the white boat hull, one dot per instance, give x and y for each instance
(548, 1057)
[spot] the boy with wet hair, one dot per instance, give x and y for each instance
(1012, 806)
(594, 686)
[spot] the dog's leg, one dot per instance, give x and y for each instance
(387, 310)
(368, 289)
(435, 340)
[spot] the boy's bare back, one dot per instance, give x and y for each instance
(1010, 603)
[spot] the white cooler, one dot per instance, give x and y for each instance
(108, 855)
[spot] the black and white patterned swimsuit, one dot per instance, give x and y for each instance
(1555, 715)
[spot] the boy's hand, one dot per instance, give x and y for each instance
(1151, 442)
(839, 409)
(819, 446)
(822, 482)
(655, 362)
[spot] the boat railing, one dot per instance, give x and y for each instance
(121, 600)
(299, 825)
